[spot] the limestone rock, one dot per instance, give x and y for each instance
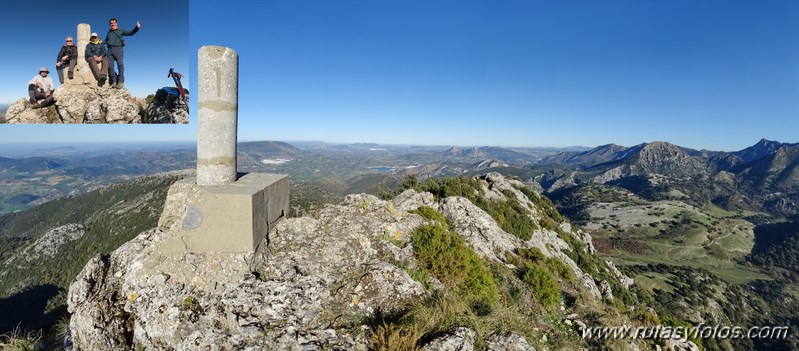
(479, 229)
(488, 240)
(410, 200)
(499, 184)
(308, 286)
(80, 103)
(581, 235)
(308, 281)
(681, 345)
(91, 104)
(49, 244)
(23, 112)
(626, 281)
(609, 175)
(511, 342)
(461, 339)
(607, 292)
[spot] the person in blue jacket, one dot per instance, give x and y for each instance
(95, 56)
(116, 54)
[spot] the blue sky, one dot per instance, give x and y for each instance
(34, 31)
(714, 74)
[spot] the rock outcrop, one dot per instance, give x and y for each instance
(79, 104)
(89, 104)
(166, 108)
(310, 285)
(23, 112)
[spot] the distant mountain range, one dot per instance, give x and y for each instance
(762, 177)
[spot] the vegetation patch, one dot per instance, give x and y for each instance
(430, 213)
(19, 341)
(509, 213)
(447, 257)
(544, 287)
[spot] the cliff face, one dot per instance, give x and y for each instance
(325, 282)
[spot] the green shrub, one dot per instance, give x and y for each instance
(419, 275)
(509, 214)
(430, 213)
(563, 271)
(447, 257)
(543, 285)
(532, 254)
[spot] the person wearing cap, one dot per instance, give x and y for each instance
(116, 54)
(67, 56)
(95, 54)
(41, 87)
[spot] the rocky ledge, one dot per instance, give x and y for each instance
(313, 283)
(86, 104)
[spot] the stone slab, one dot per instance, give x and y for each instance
(233, 217)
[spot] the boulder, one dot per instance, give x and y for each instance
(22, 112)
(461, 339)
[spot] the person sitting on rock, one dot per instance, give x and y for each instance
(95, 55)
(41, 87)
(67, 56)
(116, 53)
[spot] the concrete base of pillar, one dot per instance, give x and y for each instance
(83, 75)
(233, 217)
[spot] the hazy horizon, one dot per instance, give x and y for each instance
(513, 73)
(16, 147)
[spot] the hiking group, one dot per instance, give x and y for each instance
(100, 57)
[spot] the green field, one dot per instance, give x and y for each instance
(674, 233)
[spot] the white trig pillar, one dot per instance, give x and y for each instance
(218, 107)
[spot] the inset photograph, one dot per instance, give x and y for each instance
(79, 63)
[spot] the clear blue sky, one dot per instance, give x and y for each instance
(714, 74)
(34, 31)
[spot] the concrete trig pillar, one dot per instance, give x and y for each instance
(223, 213)
(218, 84)
(84, 31)
(83, 75)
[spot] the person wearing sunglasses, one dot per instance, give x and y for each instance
(67, 56)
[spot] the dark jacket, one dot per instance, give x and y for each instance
(94, 50)
(114, 37)
(71, 51)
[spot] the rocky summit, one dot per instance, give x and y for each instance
(351, 277)
(86, 104)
